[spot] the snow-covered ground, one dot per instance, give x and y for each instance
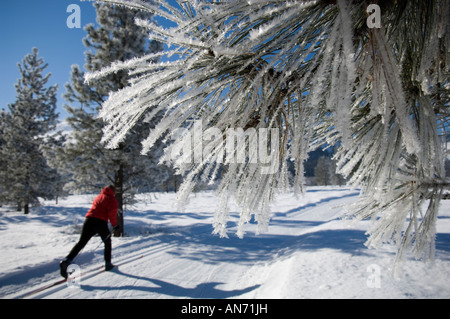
(309, 252)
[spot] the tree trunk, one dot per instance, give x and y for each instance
(118, 184)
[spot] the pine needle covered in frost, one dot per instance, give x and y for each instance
(312, 73)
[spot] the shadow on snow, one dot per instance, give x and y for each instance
(202, 290)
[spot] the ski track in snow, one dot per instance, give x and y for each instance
(308, 252)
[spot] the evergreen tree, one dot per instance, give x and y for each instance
(25, 175)
(51, 147)
(325, 172)
(322, 171)
(320, 72)
(92, 166)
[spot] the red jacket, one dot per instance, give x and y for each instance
(105, 207)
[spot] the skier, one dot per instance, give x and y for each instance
(103, 208)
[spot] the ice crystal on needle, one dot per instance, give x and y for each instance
(316, 74)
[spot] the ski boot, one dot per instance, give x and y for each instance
(63, 267)
(109, 266)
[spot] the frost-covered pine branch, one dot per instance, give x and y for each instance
(314, 73)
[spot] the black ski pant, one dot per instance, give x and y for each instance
(91, 227)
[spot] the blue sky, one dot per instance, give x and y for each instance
(25, 24)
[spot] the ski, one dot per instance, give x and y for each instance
(92, 272)
(48, 286)
(61, 281)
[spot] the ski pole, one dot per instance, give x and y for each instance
(106, 238)
(103, 241)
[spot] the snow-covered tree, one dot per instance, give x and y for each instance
(51, 147)
(325, 171)
(25, 175)
(317, 72)
(92, 166)
(322, 171)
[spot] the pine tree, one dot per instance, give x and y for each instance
(325, 171)
(92, 166)
(322, 171)
(25, 174)
(319, 72)
(51, 148)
